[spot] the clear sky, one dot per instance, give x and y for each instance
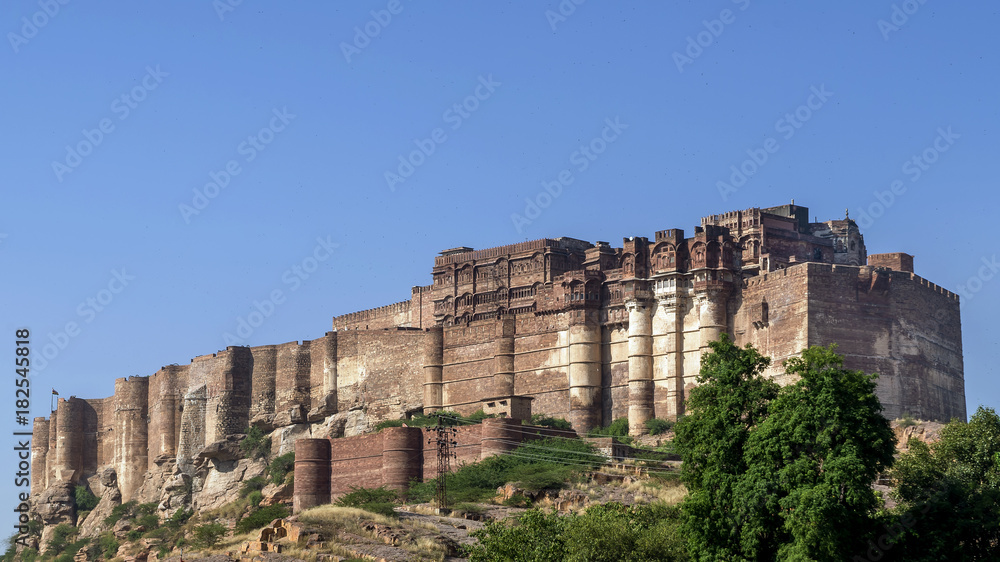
(168, 166)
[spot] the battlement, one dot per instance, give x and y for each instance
(352, 319)
(519, 248)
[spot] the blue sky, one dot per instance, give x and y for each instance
(169, 166)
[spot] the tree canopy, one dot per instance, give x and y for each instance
(781, 474)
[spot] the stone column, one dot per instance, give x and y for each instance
(640, 365)
(433, 361)
(669, 392)
(584, 371)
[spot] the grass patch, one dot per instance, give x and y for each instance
(379, 500)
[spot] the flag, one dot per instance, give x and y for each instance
(54, 392)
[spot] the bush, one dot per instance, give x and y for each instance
(555, 423)
(206, 536)
(907, 420)
(108, 545)
(150, 521)
(261, 517)
(281, 466)
(85, 499)
(255, 445)
(254, 484)
(125, 510)
(657, 426)
(255, 497)
(618, 428)
(179, 518)
(518, 500)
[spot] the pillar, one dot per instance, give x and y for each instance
(584, 371)
(433, 352)
(668, 393)
(312, 474)
(640, 365)
(503, 358)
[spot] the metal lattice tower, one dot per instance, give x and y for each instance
(445, 440)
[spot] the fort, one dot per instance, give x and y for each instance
(584, 331)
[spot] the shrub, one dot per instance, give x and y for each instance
(618, 428)
(108, 545)
(907, 420)
(150, 521)
(85, 499)
(281, 466)
(179, 518)
(656, 426)
(206, 536)
(518, 500)
(255, 445)
(61, 536)
(555, 423)
(261, 517)
(254, 484)
(125, 510)
(255, 497)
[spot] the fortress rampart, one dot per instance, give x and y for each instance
(587, 332)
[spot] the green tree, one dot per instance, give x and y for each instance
(722, 411)
(949, 495)
(812, 461)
